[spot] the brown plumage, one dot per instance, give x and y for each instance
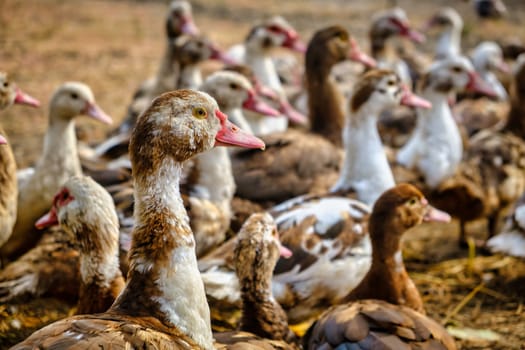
(387, 317)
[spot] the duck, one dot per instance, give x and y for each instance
(490, 178)
(297, 162)
(263, 320)
(386, 25)
(449, 24)
(327, 232)
(58, 162)
(256, 53)
(489, 8)
(173, 312)
(483, 112)
(9, 94)
(87, 216)
(511, 239)
(391, 316)
(435, 148)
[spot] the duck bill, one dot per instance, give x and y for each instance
(435, 215)
(97, 113)
(407, 32)
(285, 252)
(293, 42)
(49, 219)
(218, 54)
(292, 114)
(3, 140)
(266, 91)
(502, 67)
(189, 27)
(477, 84)
(412, 100)
(356, 54)
(232, 135)
(253, 103)
(24, 99)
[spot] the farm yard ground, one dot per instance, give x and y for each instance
(114, 45)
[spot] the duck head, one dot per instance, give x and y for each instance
(74, 98)
(455, 74)
(275, 32)
(393, 22)
(233, 90)
(10, 94)
(180, 19)
(383, 89)
(192, 49)
(445, 19)
(487, 56)
(180, 124)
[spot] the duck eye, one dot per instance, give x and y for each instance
(234, 86)
(200, 113)
(274, 28)
(457, 69)
(391, 83)
(342, 36)
(6, 84)
(412, 201)
(74, 96)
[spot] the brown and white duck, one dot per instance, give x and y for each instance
(435, 148)
(297, 162)
(163, 276)
(385, 310)
(80, 262)
(257, 250)
(256, 52)
(447, 22)
(387, 25)
(9, 94)
(328, 233)
(58, 162)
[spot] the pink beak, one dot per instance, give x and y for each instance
(292, 114)
(293, 42)
(253, 103)
(265, 91)
(218, 54)
(285, 252)
(436, 215)
(231, 135)
(24, 99)
(48, 219)
(97, 113)
(355, 54)
(406, 31)
(503, 67)
(189, 27)
(476, 84)
(412, 100)
(3, 140)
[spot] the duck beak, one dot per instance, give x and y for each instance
(266, 91)
(286, 108)
(97, 113)
(232, 135)
(188, 26)
(293, 42)
(477, 84)
(502, 67)
(49, 219)
(24, 99)
(412, 100)
(285, 252)
(407, 32)
(218, 54)
(3, 140)
(253, 103)
(435, 215)
(355, 54)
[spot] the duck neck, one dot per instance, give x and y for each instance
(263, 68)
(261, 313)
(168, 72)
(382, 49)
(325, 105)
(365, 168)
(515, 121)
(60, 146)
(164, 280)
(101, 279)
(190, 77)
(449, 43)
(215, 175)
(9, 186)
(438, 120)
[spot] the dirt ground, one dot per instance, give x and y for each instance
(114, 45)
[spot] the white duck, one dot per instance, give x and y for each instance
(172, 312)
(487, 58)
(435, 148)
(58, 162)
(9, 94)
(448, 22)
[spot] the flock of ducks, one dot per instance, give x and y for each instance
(146, 244)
